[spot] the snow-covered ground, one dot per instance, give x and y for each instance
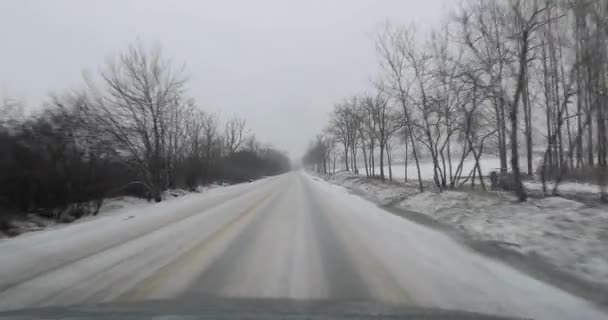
(291, 236)
(487, 164)
(571, 187)
(111, 206)
(566, 233)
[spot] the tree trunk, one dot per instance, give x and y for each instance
(382, 146)
(502, 137)
(449, 149)
(601, 145)
(334, 160)
(346, 157)
(411, 136)
(372, 148)
(388, 159)
(580, 100)
(589, 118)
(365, 159)
(474, 174)
(528, 125)
(519, 189)
(579, 116)
(405, 161)
(566, 110)
(353, 156)
(477, 156)
(523, 58)
(556, 95)
(548, 163)
(415, 154)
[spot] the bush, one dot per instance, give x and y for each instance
(49, 163)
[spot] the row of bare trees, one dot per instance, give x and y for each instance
(131, 129)
(510, 79)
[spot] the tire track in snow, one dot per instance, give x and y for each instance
(80, 280)
(167, 279)
(339, 270)
(16, 281)
(218, 275)
(380, 281)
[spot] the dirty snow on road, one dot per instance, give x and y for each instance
(290, 236)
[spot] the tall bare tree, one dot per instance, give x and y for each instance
(133, 101)
(234, 133)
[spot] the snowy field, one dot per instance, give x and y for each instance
(566, 233)
(575, 187)
(488, 164)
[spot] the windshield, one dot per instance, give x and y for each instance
(436, 155)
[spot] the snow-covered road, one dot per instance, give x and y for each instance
(290, 236)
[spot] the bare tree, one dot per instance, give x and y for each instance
(524, 19)
(344, 128)
(11, 112)
(234, 133)
(394, 64)
(133, 101)
(385, 121)
(483, 87)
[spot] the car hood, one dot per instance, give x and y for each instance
(241, 308)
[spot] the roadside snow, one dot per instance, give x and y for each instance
(382, 192)
(110, 207)
(439, 271)
(114, 205)
(566, 233)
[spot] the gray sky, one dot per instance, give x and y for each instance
(280, 64)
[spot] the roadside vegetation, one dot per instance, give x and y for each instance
(494, 125)
(523, 82)
(131, 130)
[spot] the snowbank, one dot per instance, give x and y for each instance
(566, 233)
(382, 192)
(110, 206)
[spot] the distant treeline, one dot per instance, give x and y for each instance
(131, 130)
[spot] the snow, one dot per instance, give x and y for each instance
(21, 256)
(487, 165)
(566, 233)
(440, 271)
(374, 189)
(110, 206)
(115, 205)
(570, 187)
(290, 236)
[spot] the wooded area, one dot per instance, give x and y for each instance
(132, 129)
(503, 78)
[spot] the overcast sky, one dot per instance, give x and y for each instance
(280, 64)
